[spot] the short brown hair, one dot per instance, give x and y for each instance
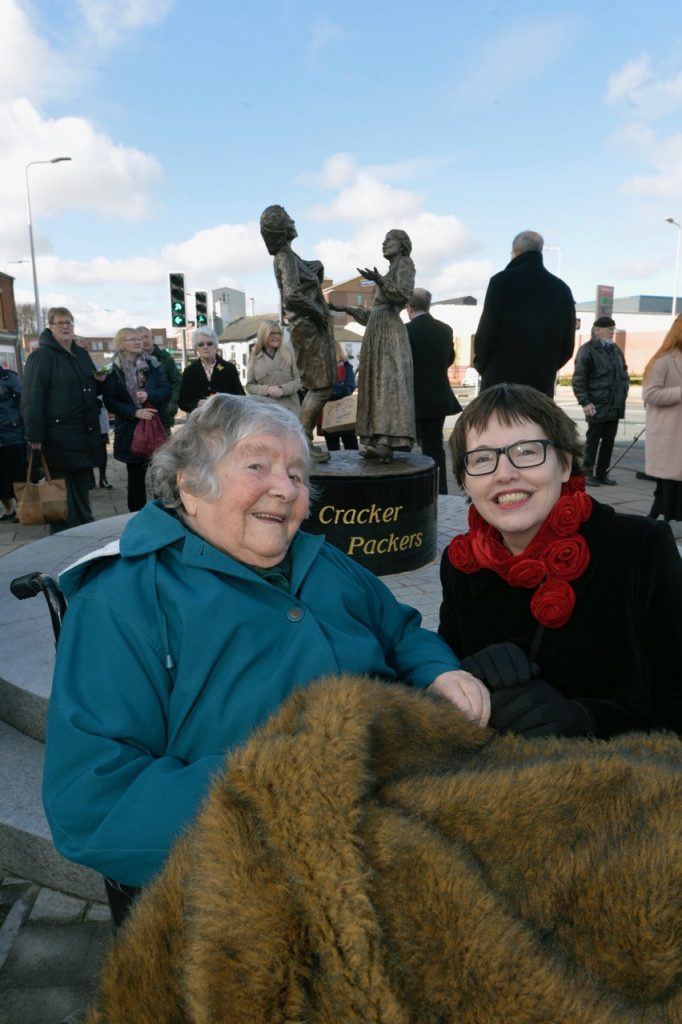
(56, 311)
(512, 403)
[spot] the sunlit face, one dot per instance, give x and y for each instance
(147, 339)
(515, 501)
(131, 344)
(263, 500)
(205, 348)
(273, 340)
(391, 246)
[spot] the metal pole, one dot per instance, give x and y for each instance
(673, 310)
(55, 160)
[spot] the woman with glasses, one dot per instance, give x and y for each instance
(209, 374)
(567, 610)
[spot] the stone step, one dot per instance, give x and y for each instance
(25, 842)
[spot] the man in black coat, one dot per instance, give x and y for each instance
(527, 328)
(61, 413)
(433, 352)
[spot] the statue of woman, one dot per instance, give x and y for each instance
(385, 417)
(300, 287)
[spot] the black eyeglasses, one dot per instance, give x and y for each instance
(204, 344)
(521, 454)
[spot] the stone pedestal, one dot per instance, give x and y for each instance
(382, 516)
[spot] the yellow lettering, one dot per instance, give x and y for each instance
(355, 542)
(323, 511)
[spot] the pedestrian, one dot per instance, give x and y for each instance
(344, 386)
(662, 395)
(132, 384)
(601, 384)
(12, 444)
(209, 374)
(433, 351)
(272, 370)
(527, 328)
(60, 411)
(169, 367)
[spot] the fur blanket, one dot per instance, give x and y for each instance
(369, 857)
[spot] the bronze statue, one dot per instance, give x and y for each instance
(312, 334)
(385, 418)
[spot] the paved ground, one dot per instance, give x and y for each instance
(51, 944)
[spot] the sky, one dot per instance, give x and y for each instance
(460, 123)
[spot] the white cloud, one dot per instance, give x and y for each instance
(666, 183)
(224, 249)
(28, 67)
(368, 199)
(651, 97)
(110, 21)
(103, 176)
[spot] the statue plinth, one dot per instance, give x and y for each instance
(381, 515)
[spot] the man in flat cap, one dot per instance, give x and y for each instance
(600, 383)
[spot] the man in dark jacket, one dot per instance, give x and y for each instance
(527, 328)
(171, 372)
(600, 383)
(433, 352)
(61, 414)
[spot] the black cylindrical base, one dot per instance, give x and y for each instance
(382, 516)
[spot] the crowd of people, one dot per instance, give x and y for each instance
(558, 614)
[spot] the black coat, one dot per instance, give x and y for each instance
(11, 424)
(433, 352)
(527, 328)
(620, 653)
(601, 377)
(59, 404)
(118, 401)
(195, 385)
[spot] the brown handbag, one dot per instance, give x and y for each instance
(41, 503)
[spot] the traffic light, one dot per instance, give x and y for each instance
(177, 295)
(201, 310)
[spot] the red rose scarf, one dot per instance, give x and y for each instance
(556, 555)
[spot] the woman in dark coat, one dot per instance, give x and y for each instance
(209, 374)
(60, 411)
(567, 610)
(133, 381)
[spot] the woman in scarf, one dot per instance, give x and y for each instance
(135, 389)
(567, 610)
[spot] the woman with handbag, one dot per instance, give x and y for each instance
(134, 391)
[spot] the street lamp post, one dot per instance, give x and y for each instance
(669, 220)
(13, 261)
(55, 160)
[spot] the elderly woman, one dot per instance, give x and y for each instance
(215, 608)
(135, 389)
(567, 610)
(385, 419)
(209, 374)
(272, 368)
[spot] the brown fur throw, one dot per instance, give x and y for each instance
(369, 857)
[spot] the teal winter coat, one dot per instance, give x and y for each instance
(171, 653)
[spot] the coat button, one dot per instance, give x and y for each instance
(295, 614)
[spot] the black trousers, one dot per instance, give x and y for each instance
(599, 446)
(333, 441)
(430, 434)
(78, 498)
(120, 899)
(137, 491)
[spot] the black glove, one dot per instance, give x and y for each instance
(537, 709)
(500, 665)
